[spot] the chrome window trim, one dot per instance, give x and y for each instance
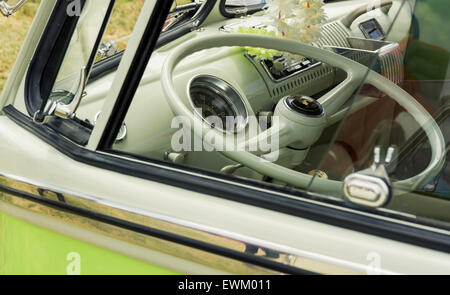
(30, 196)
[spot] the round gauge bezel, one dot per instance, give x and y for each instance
(227, 92)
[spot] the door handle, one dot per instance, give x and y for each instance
(62, 108)
(67, 111)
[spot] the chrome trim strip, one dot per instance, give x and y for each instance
(281, 255)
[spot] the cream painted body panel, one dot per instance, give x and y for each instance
(344, 247)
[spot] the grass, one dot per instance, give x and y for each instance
(14, 29)
(12, 33)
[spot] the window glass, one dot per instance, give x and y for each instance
(102, 31)
(115, 39)
(120, 27)
(66, 75)
(402, 137)
(285, 115)
(124, 17)
(226, 99)
(82, 45)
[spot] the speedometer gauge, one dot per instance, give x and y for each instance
(218, 103)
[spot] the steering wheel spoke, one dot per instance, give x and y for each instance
(333, 100)
(269, 140)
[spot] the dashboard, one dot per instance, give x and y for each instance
(297, 75)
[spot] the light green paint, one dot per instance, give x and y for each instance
(29, 249)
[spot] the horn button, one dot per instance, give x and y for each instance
(302, 119)
(304, 105)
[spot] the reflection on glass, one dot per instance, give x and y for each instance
(377, 122)
(82, 43)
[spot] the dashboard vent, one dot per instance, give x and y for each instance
(302, 81)
(333, 34)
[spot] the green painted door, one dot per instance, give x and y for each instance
(29, 249)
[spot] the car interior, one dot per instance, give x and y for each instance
(367, 96)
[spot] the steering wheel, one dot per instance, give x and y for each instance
(295, 127)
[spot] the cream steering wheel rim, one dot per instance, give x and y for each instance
(331, 102)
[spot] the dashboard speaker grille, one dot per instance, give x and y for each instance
(334, 33)
(391, 63)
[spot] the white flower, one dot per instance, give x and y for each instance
(281, 9)
(299, 20)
